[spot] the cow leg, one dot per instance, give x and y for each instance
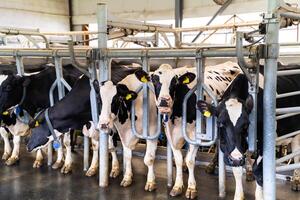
(94, 164)
(191, 191)
(210, 168)
(7, 147)
(295, 183)
(115, 169)
(259, 192)
(238, 174)
(60, 157)
(249, 164)
(149, 161)
(39, 159)
(178, 186)
(16, 151)
(127, 179)
(68, 161)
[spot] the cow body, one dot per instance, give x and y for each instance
(171, 86)
(36, 98)
(233, 120)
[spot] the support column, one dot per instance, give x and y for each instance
(104, 75)
(270, 81)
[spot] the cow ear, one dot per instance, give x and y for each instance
(186, 78)
(249, 103)
(206, 109)
(96, 86)
(26, 81)
(142, 76)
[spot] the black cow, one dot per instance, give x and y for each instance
(233, 121)
(72, 112)
(31, 94)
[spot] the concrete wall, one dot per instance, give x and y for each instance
(47, 15)
(84, 13)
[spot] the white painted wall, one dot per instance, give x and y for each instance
(145, 10)
(47, 15)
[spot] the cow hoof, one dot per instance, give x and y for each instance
(37, 164)
(67, 168)
(210, 169)
(249, 176)
(150, 186)
(191, 193)
(126, 182)
(114, 172)
(5, 156)
(92, 171)
(295, 185)
(12, 161)
(57, 165)
(176, 191)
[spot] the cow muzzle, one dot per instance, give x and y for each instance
(104, 126)
(164, 105)
(236, 159)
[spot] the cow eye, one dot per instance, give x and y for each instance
(8, 88)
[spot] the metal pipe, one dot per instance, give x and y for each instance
(288, 72)
(288, 94)
(288, 167)
(288, 157)
(178, 19)
(145, 100)
(292, 134)
(269, 101)
(104, 75)
(290, 15)
(20, 65)
(279, 117)
(221, 9)
(288, 110)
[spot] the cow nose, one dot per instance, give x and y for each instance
(104, 125)
(236, 158)
(163, 102)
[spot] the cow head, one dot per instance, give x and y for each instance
(233, 120)
(165, 81)
(11, 91)
(115, 102)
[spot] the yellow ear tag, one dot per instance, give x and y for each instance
(186, 80)
(5, 113)
(144, 79)
(37, 123)
(128, 97)
(207, 114)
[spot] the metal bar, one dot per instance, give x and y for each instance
(59, 76)
(54, 84)
(221, 9)
(178, 20)
(104, 75)
(20, 65)
(44, 52)
(288, 110)
(292, 134)
(200, 67)
(288, 72)
(269, 101)
(66, 84)
(279, 117)
(222, 173)
(290, 15)
(288, 167)
(145, 100)
(288, 94)
(287, 157)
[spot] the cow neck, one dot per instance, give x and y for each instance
(180, 92)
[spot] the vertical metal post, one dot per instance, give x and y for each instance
(253, 90)
(269, 105)
(178, 18)
(145, 100)
(20, 65)
(200, 65)
(222, 174)
(104, 75)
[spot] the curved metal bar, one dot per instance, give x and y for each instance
(66, 84)
(196, 141)
(51, 92)
(133, 125)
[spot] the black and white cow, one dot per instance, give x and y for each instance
(73, 112)
(36, 97)
(171, 85)
(233, 121)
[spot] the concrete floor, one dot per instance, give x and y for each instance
(23, 182)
